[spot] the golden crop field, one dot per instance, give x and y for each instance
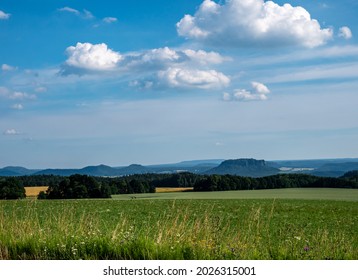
(34, 191)
(165, 190)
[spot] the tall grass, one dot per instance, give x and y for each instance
(198, 229)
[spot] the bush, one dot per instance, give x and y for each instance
(42, 195)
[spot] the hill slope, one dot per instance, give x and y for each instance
(244, 167)
(15, 171)
(335, 169)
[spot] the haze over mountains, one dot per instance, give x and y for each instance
(241, 167)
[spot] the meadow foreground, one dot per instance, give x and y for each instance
(179, 229)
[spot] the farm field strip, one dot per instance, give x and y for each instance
(34, 191)
(166, 190)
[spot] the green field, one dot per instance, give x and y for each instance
(225, 225)
(290, 193)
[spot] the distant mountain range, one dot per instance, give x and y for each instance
(195, 166)
(242, 167)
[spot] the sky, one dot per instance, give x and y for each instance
(121, 82)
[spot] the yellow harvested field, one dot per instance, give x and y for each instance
(34, 191)
(165, 190)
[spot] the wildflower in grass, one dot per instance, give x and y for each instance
(232, 249)
(297, 237)
(306, 248)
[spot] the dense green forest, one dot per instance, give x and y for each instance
(83, 186)
(11, 188)
(230, 182)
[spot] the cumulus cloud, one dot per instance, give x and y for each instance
(160, 55)
(193, 78)
(345, 32)
(161, 67)
(89, 57)
(4, 16)
(258, 92)
(164, 57)
(110, 19)
(253, 22)
(11, 131)
(6, 67)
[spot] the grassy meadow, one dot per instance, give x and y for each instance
(225, 225)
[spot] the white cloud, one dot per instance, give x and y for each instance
(204, 57)
(15, 95)
(110, 19)
(193, 78)
(4, 15)
(162, 67)
(160, 55)
(260, 88)
(6, 67)
(85, 14)
(70, 10)
(164, 57)
(87, 56)
(90, 57)
(17, 107)
(345, 32)
(258, 93)
(11, 131)
(253, 22)
(18, 95)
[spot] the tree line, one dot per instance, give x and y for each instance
(230, 182)
(83, 186)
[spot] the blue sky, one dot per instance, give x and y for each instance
(121, 82)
